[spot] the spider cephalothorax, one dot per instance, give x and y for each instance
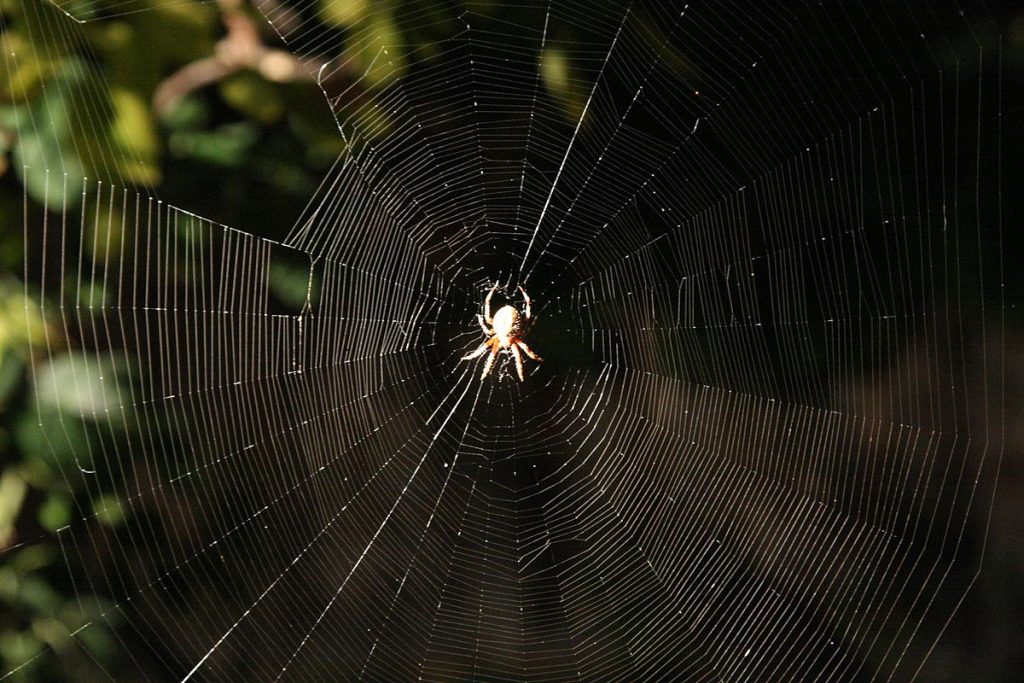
(504, 330)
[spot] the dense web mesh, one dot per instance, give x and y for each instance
(753, 236)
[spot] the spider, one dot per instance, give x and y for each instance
(505, 332)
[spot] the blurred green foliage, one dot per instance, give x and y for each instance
(246, 147)
(79, 104)
(41, 431)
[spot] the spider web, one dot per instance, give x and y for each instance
(756, 261)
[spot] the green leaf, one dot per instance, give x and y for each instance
(254, 97)
(83, 385)
(8, 584)
(21, 321)
(99, 640)
(47, 439)
(556, 73)
(17, 647)
(44, 155)
(375, 50)
(35, 593)
(25, 68)
(12, 369)
(36, 470)
(108, 510)
(143, 48)
(290, 283)
(12, 494)
(33, 558)
(55, 512)
(343, 13)
(102, 238)
(188, 113)
(554, 70)
(133, 131)
(227, 146)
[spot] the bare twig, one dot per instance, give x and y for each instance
(242, 48)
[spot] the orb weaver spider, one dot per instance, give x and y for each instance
(504, 330)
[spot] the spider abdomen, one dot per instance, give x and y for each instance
(506, 320)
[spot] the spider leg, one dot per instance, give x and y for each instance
(480, 350)
(519, 360)
(483, 326)
(487, 306)
(490, 360)
(529, 352)
(527, 297)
